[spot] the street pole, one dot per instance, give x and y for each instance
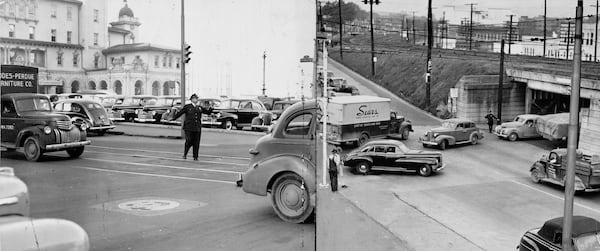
(324, 105)
(573, 132)
(372, 44)
(596, 34)
(501, 81)
(568, 38)
(341, 29)
(413, 29)
(429, 45)
(510, 33)
(471, 26)
(264, 86)
(182, 58)
(545, 13)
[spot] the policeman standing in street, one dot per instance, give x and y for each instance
(490, 119)
(192, 124)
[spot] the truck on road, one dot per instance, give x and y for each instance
(356, 119)
(553, 126)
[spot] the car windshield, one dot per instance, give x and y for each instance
(281, 106)
(228, 104)
(519, 119)
(449, 124)
(33, 104)
(588, 243)
(92, 106)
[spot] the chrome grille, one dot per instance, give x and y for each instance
(67, 136)
(64, 124)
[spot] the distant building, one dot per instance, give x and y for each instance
(74, 50)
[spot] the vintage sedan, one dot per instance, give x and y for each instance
(89, 112)
(585, 235)
(392, 155)
(108, 101)
(131, 104)
(267, 118)
(236, 113)
(452, 132)
(20, 232)
(523, 126)
(154, 112)
(552, 168)
(206, 102)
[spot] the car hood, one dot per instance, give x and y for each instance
(441, 129)
(511, 124)
(47, 116)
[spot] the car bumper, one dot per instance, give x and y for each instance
(56, 147)
(116, 119)
(144, 119)
(440, 167)
(428, 142)
(500, 135)
(97, 128)
(211, 123)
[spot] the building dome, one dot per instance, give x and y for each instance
(125, 11)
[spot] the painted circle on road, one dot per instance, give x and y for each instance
(148, 205)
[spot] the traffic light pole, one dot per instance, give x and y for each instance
(429, 45)
(182, 58)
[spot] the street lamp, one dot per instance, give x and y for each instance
(373, 58)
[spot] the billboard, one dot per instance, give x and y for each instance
(18, 79)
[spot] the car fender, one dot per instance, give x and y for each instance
(260, 177)
(451, 140)
(227, 115)
(407, 125)
(354, 160)
(23, 233)
(418, 160)
(513, 130)
(479, 135)
(30, 131)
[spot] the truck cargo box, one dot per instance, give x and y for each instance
(553, 126)
(347, 110)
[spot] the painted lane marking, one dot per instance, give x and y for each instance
(167, 158)
(151, 151)
(556, 196)
(166, 166)
(151, 175)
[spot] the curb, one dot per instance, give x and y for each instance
(178, 127)
(355, 74)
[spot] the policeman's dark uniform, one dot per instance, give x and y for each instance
(192, 125)
(490, 118)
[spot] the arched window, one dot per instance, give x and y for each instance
(139, 90)
(75, 86)
(118, 87)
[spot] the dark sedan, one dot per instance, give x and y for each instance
(392, 155)
(236, 113)
(86, 111)
(585, 235)
(154, 112)
(131, 104)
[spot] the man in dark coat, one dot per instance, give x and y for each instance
(192, 124)
(333, 170)
(490, 119)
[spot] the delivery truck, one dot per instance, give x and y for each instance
(553, 126)
(356, 119)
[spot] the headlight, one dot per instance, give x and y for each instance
(275, 116)
(218, 115)
(122, 112)
(153, 113)
(47, 130)
(84, 126)
(503, 131)
(436, 134)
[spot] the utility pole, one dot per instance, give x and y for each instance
(183, 56)
(568, 38)
(443, 29)
(413, 29)
(501, 81)
(373, 58)
(264, 87)
(596, 34)
(471, 26)
(510, 32)
(573, 132)
(544, 46)
(429, 45)
(341, 29)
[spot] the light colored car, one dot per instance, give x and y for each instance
(523, 126)
(452, 132)
(19, 232)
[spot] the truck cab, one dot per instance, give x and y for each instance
(283, 163)
(29, 122)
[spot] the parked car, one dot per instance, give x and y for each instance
(552, 168)
(452, 132)
(267, 118)
(89, 112)
(235, 113)
(131, 104)
(154, 112)
(522, 126)
(108, 101)
(20, 232)
(166, 116)
(392, 155)
(64, 96)
(29, 123)
(585, 235)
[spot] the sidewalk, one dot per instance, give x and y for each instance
(341, 225)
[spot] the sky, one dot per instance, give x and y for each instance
(229, 37)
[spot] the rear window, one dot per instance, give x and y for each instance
(94, 106)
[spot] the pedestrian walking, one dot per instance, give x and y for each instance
(333, 170)
(490, 120)
(192, 124)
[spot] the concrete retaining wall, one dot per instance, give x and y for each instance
(589, 137)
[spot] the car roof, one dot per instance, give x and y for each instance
(581, 225)
(286, 102)
(142, 96)
(458, 120)
(80, 101)
(23, 95)
(384, 142)
(529, 116)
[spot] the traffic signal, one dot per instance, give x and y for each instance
(187, 54)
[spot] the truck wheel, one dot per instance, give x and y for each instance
(291, 199)
(227, 124)
(474, 139)
(363, 139)
(425, 170)
(535, 176)
(513, 137)
(362, 167)
(75, 152)
(32, 149)
(443, 145)
(404, 132)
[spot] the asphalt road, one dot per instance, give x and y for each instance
(136, 193)
(483, 200)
